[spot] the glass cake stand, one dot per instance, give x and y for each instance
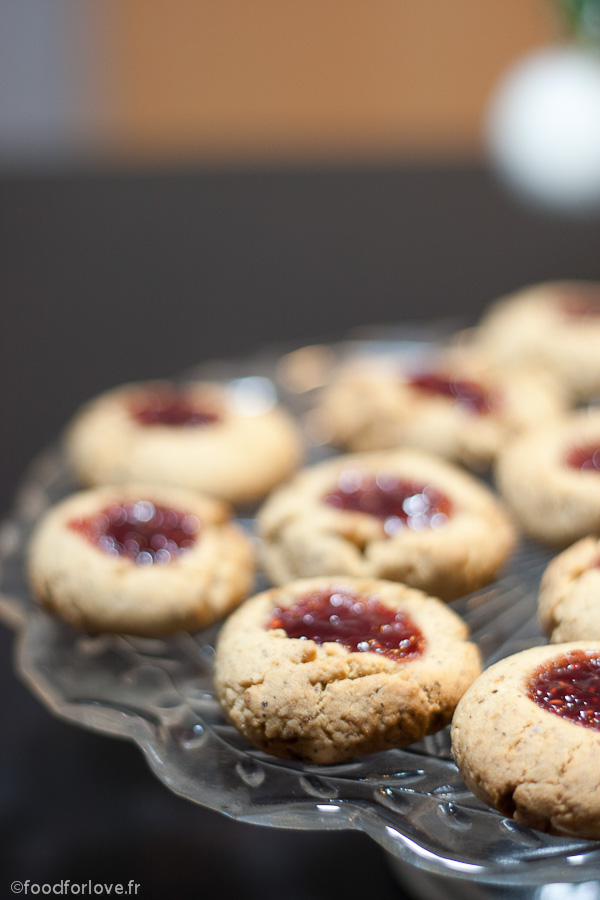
(441, 840)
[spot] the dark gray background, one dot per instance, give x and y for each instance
(108, 277)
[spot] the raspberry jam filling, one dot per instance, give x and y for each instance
(569, 686)
(582, 303)
(467, 394)
(140, 530)
(359, 623)
(397, 502)
(171, 407)
(586, 458)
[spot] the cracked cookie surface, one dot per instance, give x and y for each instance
(324, 703)
(161, 590)
(452, 555)
(522, 759)
(232, 443)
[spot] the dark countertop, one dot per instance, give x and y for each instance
(113, 277)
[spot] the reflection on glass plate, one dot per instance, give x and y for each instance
(159, 693)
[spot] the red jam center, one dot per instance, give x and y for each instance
(570, 687)
(140, 530)
(359, 623)
(466, 393)
(386, 496)
(582, 303)
(587, 458)
(171, 407)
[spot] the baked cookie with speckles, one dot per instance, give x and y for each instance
(451, 404)
(550, 478)
(525, 738)
(139, 560)
(398, 515)
(569, 597)
(321, 670)
(231, 441)
(554, 325)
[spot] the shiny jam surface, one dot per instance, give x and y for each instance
(466, 393)
(140, 530)
(171, 407)
(399, 503)
(586, 458)
(359, 623)
(569, 686)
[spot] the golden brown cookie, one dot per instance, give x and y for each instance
(550, 478)
(451, 404)
(555, 325)
(398, 515)
(525, 738)
(321, 670)
(223, 440)
(139, 560)
(569, 597)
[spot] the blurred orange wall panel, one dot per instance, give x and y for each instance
(311, 79)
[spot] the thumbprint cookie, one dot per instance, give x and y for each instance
(550, 478)
(321, 670)
(230, 441)
(140, 560)
(569, 597)
(452, 405)
(398, 515)
(525, 737)
(554, 325)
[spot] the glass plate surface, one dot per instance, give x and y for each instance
(159, 694)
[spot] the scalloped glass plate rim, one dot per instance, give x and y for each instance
(548, 859)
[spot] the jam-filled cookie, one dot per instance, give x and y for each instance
(202, 436)
(555, 325)
(321, 670)
(569, 597)
(525, 738)
(139, 560)
(550, 478)
(451, 404)
(398, 515)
